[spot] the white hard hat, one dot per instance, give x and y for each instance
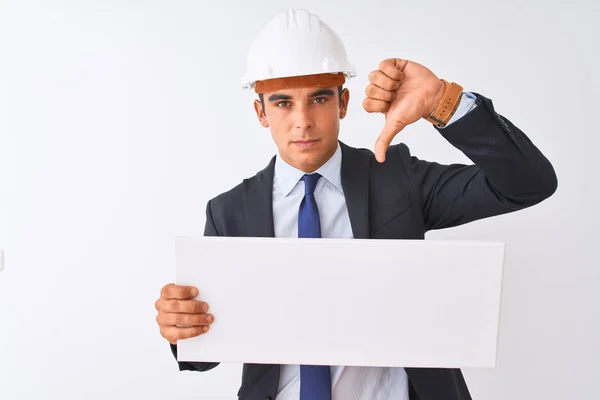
(295, 43)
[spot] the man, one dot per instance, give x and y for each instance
(317, 186)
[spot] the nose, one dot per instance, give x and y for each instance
(303, 119)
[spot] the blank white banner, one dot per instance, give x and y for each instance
(397, 303)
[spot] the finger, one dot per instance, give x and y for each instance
(372, 105)
(390, 130)
(375, 92)
(178, 319)
(173, 333)
(184, 306)
(172, 291)
(393, 68)
(383, 81)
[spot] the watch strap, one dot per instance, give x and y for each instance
(448, 104)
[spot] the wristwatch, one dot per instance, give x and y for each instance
(445, 109)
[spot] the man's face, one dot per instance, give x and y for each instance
(304, 123)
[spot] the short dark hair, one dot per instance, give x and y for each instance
(261, 97)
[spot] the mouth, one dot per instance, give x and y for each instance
(304, 144)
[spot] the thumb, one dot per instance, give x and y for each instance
(391, 129)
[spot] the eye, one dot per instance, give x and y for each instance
(283, 103)
(320, 100)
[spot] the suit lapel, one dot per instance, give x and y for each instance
(258, 202)
(355, 182)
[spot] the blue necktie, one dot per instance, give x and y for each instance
(315, 380)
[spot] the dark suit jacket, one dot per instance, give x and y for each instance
(402, 199)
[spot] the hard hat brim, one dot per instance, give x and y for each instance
(315, 80)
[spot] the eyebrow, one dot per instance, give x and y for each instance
(318, 93)
(276, 97)
(322, 92)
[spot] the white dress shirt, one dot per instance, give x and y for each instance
(347, 383)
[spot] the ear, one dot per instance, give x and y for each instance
(262, 118)
(345, 99)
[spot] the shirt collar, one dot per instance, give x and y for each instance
(288, 176)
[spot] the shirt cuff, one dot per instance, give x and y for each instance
(467, 103)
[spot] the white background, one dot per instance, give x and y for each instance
(120, 119)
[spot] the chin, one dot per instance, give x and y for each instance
(311, 160)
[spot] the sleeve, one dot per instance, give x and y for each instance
(509, 172)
